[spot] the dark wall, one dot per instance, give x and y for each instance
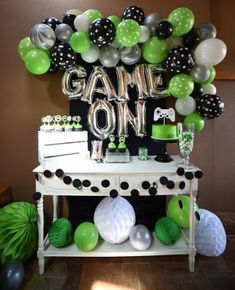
(25, 98)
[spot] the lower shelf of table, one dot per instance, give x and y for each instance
(105, 249)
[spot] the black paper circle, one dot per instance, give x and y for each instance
(63, 56)
(113, 193)
(210, 106)
(135, 13)
(164, 29)
(180, 171)
(52, 22)
(102, 32)
(189, 175)
(179, 60)
(198, 174)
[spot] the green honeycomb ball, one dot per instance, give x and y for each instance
(60, 233)
(167, 231)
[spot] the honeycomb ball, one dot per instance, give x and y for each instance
(210, 236)
(60, 233)
(114, 219)
(167, 231)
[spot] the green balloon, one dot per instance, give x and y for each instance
(178, 209)
(37, 61)
(167, 231)
(115, 19)
(155, 50)
(86, 236)
(92, 14)
(60, 233)
(211, 77)
(24, 47)
(182, 20)
(128, 32)
(196, 119)
(80, 42)
(181, 86)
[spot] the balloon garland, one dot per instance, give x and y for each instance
(188, 51)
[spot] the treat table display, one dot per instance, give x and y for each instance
(88, 178)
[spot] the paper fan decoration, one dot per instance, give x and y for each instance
(60, 233)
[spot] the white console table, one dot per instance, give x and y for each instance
(89, 178)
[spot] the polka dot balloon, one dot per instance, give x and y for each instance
(135, 13)
(52, 22)
(179, 60)
(102, 32)
(210, 106)
(181, 86)
(63, 56)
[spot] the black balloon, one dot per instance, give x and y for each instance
(52, 69)
(12, 276)
(102, 32)
(197, 91)
(62, 56)
(69, 19)
(52, 22)
(179, 60)
(210, 106)
(191, 39)
(163, 29)
(135, 13)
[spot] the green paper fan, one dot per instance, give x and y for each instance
(167, 231)
(60, 233)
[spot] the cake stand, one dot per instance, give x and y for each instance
(163, 156)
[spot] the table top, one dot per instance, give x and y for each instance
(134, 166)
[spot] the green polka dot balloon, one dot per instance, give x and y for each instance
(181, 86)
(182, 20)
(93, 14)
(128, 32)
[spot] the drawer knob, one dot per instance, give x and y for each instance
(77, 183)
(152, 191)
(135, 192)
(94, 189)
(182, 185)
(113, 193)
(67, 180)
(59, 173)
(86, 183)
(124, 185)
(170, 184)
(163, 180)
(145, 185)
(47, 173)
(105, 183)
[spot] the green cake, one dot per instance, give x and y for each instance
(164, 132)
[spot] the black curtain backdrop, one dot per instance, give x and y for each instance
(148, 209)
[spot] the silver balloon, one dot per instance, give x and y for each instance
(63, 32)
(124, 79)
(109, 57)
(74, 89)
(144, 33)
(206, 30)
(154, 77)
(125, 116)
(151, 21)
(200, 73)
(115, 43)
(93, 113)
(42, 36)
(91, 55)
(140, 238)
(130, 55)
(108, 89)
(209, 89)
(174, 41)
(185, 106)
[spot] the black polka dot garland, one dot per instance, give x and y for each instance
(102, 32)
(210, 106)
(179, 60)
(135, 13)
(63, 56)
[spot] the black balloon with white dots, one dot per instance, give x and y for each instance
(210, 106)
(179, 60)
(135, 13)
(63, 56)
(102, 32)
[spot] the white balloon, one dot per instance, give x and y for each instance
(185, 106)
(74, 12)
(140, 238)
(114, 219)
(82, 23)
(115, 43)
(91, 55)
(144, 33)
(209, 89)
(210, 52)
(174, 41)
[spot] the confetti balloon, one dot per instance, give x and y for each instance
(42, 36)
(102, 32)
(52, 22)
(210, 236)
(135, 13)
(179, 60)
(63, 56)
(210, 106)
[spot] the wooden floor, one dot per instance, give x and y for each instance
(138, 273)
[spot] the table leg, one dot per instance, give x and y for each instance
(40, 252)
(55, 207)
